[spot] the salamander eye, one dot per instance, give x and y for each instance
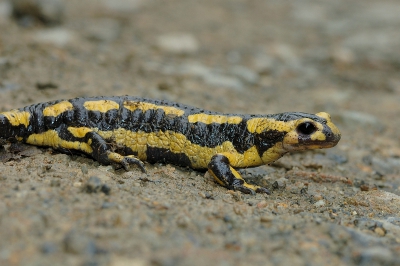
(306, 128)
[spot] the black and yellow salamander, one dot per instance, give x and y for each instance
(128, 130)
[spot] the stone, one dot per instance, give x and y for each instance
(178, 43)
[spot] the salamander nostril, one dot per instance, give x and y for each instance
(306, 128)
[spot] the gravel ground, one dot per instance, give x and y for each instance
(331, 207)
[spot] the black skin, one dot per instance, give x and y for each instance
(220, 167)
(154, 120)
(204, 135)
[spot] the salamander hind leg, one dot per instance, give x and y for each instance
(227, 176)
(125, 161)
(102, 152)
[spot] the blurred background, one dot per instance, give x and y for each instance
(231, 56)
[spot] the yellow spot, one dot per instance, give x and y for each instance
(50, 138)
(57, 109)
(235, 173)
(247, 159)
(101, 105)
(16, 117)
(216, 178)
(260, 124)
(329, 123)
(318, 135)
(208, 119)
(79, 132)
(238, 176)
(245, 184)
(324, 115)
(115, 157)
(168, 110)
(252, 158)
(273, 153)
(253, 187)
(291, 138)
(118, 158)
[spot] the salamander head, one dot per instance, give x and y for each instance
(311, 132)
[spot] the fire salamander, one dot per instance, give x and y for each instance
(128, 130)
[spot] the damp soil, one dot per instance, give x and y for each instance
(339, 206)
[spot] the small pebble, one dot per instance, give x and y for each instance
(107, 205)
(245, 74)
(123, 6)
(105, 189)
(48, 248)
(319, 203)
(380, 231)
(94, 185)
(339, 159)
(220, 80)
(266, 218)
(280, 183)
(376, 256)
(56, 36)
(102, 30)
(318, 197)
(343, 56)
(262, 204)
(183, 221)
(78, 243)
(55, 183)
(84, 169)
(178, 43)
(9, 86)
(5, 10)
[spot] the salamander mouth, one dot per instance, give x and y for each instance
(311, 145)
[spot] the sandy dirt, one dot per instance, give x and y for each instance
(331, 207)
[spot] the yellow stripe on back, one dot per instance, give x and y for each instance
(101, 106)
(16, 117)
(169, 110)
(258, 125)
(57, 109)
(219, 119)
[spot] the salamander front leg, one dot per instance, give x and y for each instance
(220, 168)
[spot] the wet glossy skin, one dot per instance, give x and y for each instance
(129, 130)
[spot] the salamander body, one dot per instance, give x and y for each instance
(128, 130)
